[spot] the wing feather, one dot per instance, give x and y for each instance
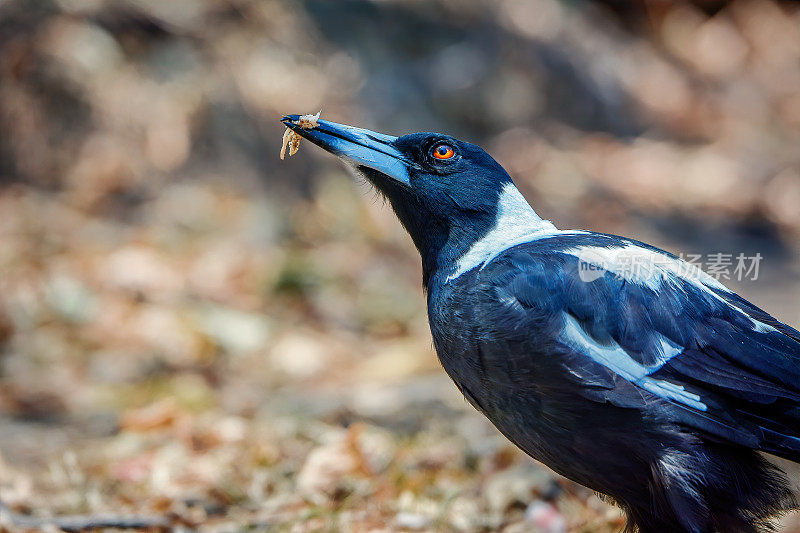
(707, 357)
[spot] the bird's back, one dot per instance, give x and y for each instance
(664, 367)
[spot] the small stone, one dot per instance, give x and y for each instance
(517, 485)
(413, 521)
(545, 517)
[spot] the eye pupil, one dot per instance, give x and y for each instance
(443, 151)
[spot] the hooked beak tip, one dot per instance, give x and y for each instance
(358, 146)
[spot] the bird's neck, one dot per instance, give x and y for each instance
(474, 241)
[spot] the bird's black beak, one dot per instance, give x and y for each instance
(357, 146)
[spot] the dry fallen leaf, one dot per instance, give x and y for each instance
(159, 415)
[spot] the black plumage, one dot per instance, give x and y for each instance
(659, 388)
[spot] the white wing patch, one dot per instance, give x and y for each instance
(516, 223)
(615, 358)
(640, 265)
(650, 269)
(757, 325)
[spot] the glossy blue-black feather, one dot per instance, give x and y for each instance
(743, 364)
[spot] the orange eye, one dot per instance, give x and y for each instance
(443, 151)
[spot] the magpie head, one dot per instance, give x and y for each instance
(446, 192)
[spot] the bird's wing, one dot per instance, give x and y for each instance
(667, 337)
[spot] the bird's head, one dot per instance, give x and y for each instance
(447, 193)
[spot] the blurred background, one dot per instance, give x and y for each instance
(190, 327)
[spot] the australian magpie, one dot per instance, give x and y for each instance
(657, 386)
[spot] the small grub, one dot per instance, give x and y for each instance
(308, 122)
(292, 139)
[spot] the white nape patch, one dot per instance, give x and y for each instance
(516, 223)
(615, 358)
